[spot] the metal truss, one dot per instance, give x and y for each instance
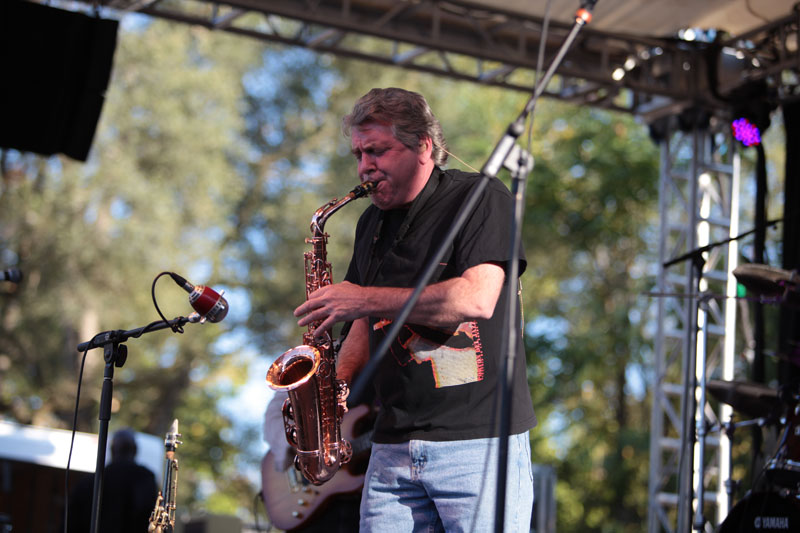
(689, 451)
(651, 77)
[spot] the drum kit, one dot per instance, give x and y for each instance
(774, 505)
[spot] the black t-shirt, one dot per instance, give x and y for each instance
(436, 384)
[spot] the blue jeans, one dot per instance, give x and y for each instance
(427, 486)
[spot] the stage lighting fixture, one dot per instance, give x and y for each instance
(57, 66)
(746, 132)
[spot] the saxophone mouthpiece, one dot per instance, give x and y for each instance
(171, 441)
(363, 189)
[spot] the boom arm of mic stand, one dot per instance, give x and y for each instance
(694, 254)
(515, 129)
(117, 336)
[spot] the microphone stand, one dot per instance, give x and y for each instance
(694, 407)
(115, 354)
(504, 153)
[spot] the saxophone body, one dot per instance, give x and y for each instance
(312, 414)
(162, 519)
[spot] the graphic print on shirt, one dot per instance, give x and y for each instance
(455, 357)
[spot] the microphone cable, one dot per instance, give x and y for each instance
(72, 441)
(174, 327)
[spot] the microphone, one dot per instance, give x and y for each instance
(13, 275)
(208, 303)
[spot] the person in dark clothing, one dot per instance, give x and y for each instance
(435, 435)
(129, 493)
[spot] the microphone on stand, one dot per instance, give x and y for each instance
(13, 275)
(208, 303)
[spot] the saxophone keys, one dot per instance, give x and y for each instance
(347, 451)
(291, 435)
(342, 390)
(287, 410)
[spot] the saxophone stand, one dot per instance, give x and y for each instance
(115, 354)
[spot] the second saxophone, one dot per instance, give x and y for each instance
(312, 414)
(162, 519)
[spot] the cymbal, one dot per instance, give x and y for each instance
(766, 280)
(749, 398)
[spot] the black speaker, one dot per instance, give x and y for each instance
(56, 66)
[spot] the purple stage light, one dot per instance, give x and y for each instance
(746, 132)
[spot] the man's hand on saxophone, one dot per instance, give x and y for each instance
(330, 304)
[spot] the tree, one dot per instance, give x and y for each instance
(592, 208)
(155, 195)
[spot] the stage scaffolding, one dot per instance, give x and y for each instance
(699, 205)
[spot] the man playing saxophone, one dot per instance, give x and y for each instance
(435, 432)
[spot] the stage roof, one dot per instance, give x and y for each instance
(631, 57)
(659, 18)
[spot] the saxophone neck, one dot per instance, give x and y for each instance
(322, 214)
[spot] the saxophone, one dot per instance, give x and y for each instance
(312, 415)
(162, 519)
